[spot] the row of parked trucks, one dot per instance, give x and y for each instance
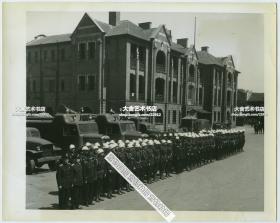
(48, 137)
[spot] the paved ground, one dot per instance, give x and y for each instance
(233, 184)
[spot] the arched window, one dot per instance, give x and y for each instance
(228, 98)
(229, 80)
(141, 87)
(175, 88)
(191, 95)
(160, 62)
(132, 86)
(160, 85)
(228, 117)
(191, 73)
(159, 119)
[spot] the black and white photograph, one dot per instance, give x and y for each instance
(175, 97)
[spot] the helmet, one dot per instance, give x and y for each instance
(84, 148)
(72, 146)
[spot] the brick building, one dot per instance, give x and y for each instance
(107, 66)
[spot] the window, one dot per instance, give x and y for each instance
(45, 55)
(174, 116)
(82, 83)
(91, 82)
(62, 54)
(219, 116)
(51, 86)
(159, 119)
(82, 51)
(91, 49)
(62, 85)
(36, 57)
(29, 57)
(34, 86)
(168, 117)
(53, 55)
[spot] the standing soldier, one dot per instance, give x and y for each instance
(100, 173)
(169, 156)
(176, 154)
(110, 171)
(92, 174)
(77, 182)
(162, 158)
(64, 177)
(86, 172)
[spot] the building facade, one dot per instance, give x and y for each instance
(108, 66)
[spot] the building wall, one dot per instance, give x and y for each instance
(53, 65)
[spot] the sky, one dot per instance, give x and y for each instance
(240, 35)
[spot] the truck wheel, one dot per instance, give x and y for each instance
(30, 166)
(52, 165)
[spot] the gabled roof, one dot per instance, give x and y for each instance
(178, 48)
(50, 39)
(104, 26)
(129, 28)
(208, 59)
(256, 97)
(151, 33)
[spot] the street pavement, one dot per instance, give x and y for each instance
(235, 183)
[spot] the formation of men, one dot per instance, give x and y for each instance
(84, 177)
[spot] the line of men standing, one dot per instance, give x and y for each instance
(84, 177)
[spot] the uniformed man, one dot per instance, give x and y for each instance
(100, 173)
(77, 182)
(64, 177)
(85, 167)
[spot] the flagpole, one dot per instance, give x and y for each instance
(194, 38)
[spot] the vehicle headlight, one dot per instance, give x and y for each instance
(38, 148)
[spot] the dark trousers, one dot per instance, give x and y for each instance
(86, 196)
(76, 196)
(99, 187)
(92, 190)
(64, 195)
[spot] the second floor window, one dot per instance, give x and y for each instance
(91, 49)
(82, 51)
(82, 83)
(45, 55)
(29, 57)
(51, 86)
(62, 54)
(91, 82)
(53, 55)
(62, 85)
(34, 86)
(36, 57)
(174, 116)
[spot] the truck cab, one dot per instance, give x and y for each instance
(115, 128)
(194, 124)
(65, 129)
(39, 151)
(143, 126)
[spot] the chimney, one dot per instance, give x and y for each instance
(145, 25)
(205, 48)
(183, 42)
(114, 18)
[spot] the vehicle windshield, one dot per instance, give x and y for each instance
(70, 130)
(33, 133)
(128, 127)
(88, 128)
